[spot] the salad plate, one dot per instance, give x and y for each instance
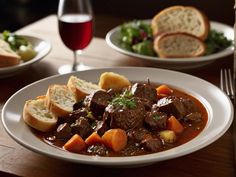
(218, 105)
(41, 47)
(113, 40)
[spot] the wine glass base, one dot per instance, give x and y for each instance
(68, 68)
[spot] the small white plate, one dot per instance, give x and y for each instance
(113, 40)
(218, 105)
(41, 46)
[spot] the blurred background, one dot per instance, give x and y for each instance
(15, 14)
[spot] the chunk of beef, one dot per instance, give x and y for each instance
(147, 103)
(193, 117)
(155, 108)
(189, 105)
(172, 105)
(97, 102)
(78, 105)
(97, 149)
(71, 118)
(156, 120)
(145, 91)
(151, 144)
(138, 134)
(133, 150)
(179, 107)
(101, 127)
(125, 118)
(81, 127)
(63, 131)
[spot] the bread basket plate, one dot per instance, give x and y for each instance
(218, 106)
(113, 40)
(41, 46)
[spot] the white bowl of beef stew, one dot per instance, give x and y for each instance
(218, 109)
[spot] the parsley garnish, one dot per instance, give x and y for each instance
(127, 94)
(156, 117)
(124, 100)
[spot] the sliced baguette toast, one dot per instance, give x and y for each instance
(38, 116)
(178, 45)
(185, 19)
(60, 100)
(110, 80)
(81, 88)
(7, 56)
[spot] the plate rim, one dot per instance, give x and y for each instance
(116, 161)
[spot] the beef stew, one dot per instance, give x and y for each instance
(143, 117)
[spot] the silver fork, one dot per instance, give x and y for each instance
(226, 82)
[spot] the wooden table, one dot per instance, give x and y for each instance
(215, 160)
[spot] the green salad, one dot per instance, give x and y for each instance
(20, 45)
(136, 36)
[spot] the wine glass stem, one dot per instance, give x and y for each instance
(75, 61)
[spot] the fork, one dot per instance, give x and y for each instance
(226, 82)
(226, 85)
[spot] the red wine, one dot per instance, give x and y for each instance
(76, 30)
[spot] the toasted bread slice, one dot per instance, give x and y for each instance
(110, 80)
(185, 19)
(81, 88)
(60, 100)
(38, 116)
(178, 45)
(7, 56)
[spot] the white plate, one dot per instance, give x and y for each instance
(218, 106)
(113, 38)
(42, 47)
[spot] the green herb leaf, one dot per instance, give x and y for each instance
(216, 41)
(124, 102)
(15, 41)
(156, 117)
(137, 36)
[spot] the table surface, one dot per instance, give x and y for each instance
(215, 160)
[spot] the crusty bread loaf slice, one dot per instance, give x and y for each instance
(178, 45)
(181, 19)
(110, 80)
(60, 100)
(81, 88)
(38, 116)
(7, 56)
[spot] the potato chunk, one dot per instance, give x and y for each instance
(110, 80)
(168, 136)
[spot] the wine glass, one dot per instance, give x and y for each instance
(75, 21)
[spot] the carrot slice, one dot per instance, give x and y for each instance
(164, 89)
(75, 144)
(174, 125)
(116, 139)
(94, 138)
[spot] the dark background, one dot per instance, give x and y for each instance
(15, 14)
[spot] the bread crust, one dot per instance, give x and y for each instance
(204, 18)
(35, 122)
(158, 40)
(55, 107)
(80, 92)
